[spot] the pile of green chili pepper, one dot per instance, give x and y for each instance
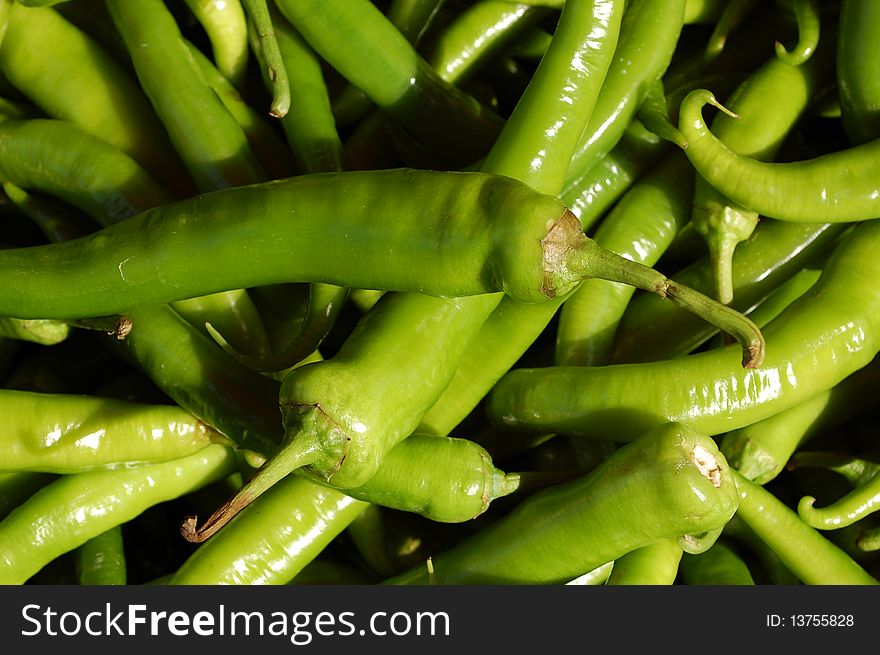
(439, 292)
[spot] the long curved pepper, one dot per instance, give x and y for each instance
(75, 508)
(758, 133)
(820, 339)
(806, 13)
(809, 555)
(453, 234)
(854, 506)
(837, 187)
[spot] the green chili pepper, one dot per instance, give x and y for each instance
(760, 451)
(110, 187)
(857, 75)
(640, 227)
(774, 253)
(381, 62)
(806, 13)
(654, 564)
(47, 155)
(209, 141)
(262, 39)
(75, 508)
(101, 560)
(412, 18)
(719, 565)
(632, 72)
(67, 433)
(225, 23)
(121, 273)
(310, 128)
(836, 187)
(479, 32)
(244, 405)
(343, 435)
(68, 75)
(274, 538)
(460, 50)
(404, 482)
(270, 150)
(758, 133)
(535, 121)
(808, 554)
(854, 506)
(41, 331)
(667, 483)
(823, 337)
(592, 194)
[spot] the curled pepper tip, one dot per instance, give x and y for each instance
(805, 505)
(712, 100)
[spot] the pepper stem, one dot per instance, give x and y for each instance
(291, 456)
(590, 260)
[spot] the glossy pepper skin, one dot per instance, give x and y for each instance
(824, 336)
(445, 479)
(444, 233)
(630, 69)
(75, 508)
(837, 187)
(758, 132)
(274, 538)
(667, 483)
(67, 433)
(801, 548)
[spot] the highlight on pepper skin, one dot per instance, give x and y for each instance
(439, 292)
